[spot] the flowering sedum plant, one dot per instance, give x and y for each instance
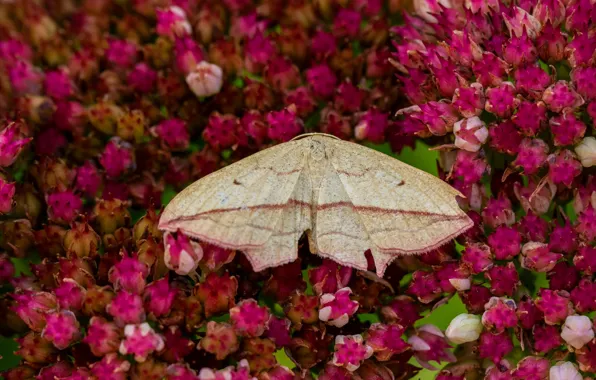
(109, 108)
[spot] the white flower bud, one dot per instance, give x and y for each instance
(206, 79)
(586, 151)
(464, 328)
(470, 134)
(564, 371)
(577, 331)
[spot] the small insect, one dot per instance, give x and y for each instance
(346, 197)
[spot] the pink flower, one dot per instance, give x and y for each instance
(63, 206)
(220, 340)
(336, 309)
(187, 54)
(278, 330)
(503, 279)
(140, 341)
(111, 367)
(469, 101)
(222, 131)
(126, 308)
(499, 315)
(284, 125)
(520, 50)
(546, 338)
(7, 192)
(321, 79)
(425, 286)
(532, 367)
(350, 351)
(174, 133)
(102, 336)
(172, 22)
(121, 53)
(323, 44)
(242, 372)
(205, 79)
(32, 308)
(25, 78)
(555, 306)
(58, 85)
(129, 274)
(182, 255)
(329, 277)
(217, 293)
(142, 78)
(563, 168)
(88, 179)
(159, 297)
(386, 340)
(349, 98)
(117, 158)
(537, 256)
(372, 126)
(501, 101)
(470, 134)
(478, 257)
(567, 129)
(498, 212)
(577, 331)
(70, 294)
(495, 346)
(62, 329)
(346, 23)
(11, 144)
(532, 155)
(429, 344)
(259, 50)
(561, 96)
(248, 318)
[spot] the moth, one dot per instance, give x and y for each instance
(346, 197)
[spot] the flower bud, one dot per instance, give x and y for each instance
(464, 328)
(81, 240)
(586, 151)
(220, 340)
(336, 309)
(470, 134)
(564, 371)
(102, 337)
(62, 328)
(182, 255)
(35, 349)
(140, 341)
(206, 79)
(111, 215)
(577, 331)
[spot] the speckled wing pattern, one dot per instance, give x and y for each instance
(347, 197)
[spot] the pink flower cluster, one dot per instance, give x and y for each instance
(506, 92)
(112, 107)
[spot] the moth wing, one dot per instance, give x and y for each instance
(241, 205)
(403, 210)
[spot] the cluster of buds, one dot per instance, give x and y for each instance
(506, 92)
(109, 109)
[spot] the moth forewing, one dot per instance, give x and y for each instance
(350, 198)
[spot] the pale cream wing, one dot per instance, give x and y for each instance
(282, 245)
(403, 209)
(339, 233)
(243, 205)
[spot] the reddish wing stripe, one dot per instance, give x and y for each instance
(294, 202)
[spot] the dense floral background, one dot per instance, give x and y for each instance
(109, 108)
